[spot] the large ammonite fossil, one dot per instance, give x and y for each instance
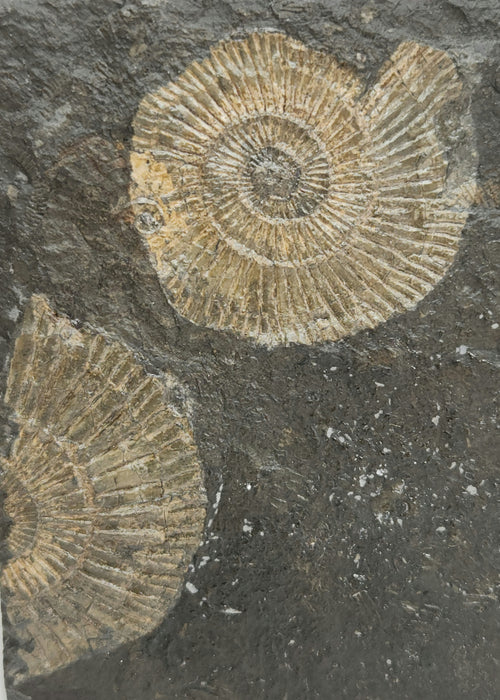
(280, 201)
(103, 490)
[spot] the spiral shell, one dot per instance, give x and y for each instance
(104, 492)
(289, 206)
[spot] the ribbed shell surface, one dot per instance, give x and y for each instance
(104, 492)
(281, 201)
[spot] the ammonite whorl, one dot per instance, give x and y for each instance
(104, 492)
(280, 202)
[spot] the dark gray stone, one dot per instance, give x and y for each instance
(370, 568)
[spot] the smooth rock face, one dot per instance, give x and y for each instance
(350, 546)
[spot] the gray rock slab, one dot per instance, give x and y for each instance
(352, 550)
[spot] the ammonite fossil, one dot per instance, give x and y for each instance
(104, 492)
(282, 202)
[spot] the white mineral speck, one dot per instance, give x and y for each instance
(435, 420)
(13, 313)
(215, 506)
(191, 587)
(462, 349)
(471, 490)
(231, 611)
(362, 480)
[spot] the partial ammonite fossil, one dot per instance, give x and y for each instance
(282, 202)
(104, 492)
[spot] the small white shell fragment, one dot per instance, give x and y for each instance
(231, 611)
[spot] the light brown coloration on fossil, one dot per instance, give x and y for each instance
(104, 490)
(281, 202)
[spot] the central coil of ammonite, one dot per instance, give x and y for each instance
(266, 171)
(274, 176)
(278, 169)
(281, 201)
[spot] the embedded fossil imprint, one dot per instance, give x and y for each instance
(104, 492)
(282, 202)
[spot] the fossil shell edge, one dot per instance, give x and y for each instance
(280, 202)
(104, 491)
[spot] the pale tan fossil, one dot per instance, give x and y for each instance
(104, 490)
(282, 202)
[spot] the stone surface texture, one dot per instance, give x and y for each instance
(350, 548)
